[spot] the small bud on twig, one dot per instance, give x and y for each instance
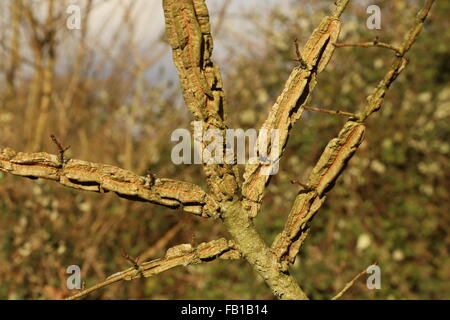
(61, 149)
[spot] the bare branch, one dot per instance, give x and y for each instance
(322, 178)
(189, 34)
(374, 43)
(289, 106)
(399, 64)
(188, 31)
(333, 112)
(336, 155)
(97, 177)
(411, 36)
(349, 284)
(180, 255)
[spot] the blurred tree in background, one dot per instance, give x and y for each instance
(119, 105)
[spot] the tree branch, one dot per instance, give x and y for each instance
(290, 104)
(180, 255)
(95, 177)
(336, 155)
(368, 45)
(340, 7)
(189, 34)
(349, 284)
(376, 99)
(187, 27)
(333, 160)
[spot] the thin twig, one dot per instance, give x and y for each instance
(299, 59)
(351, 283)
(134, 261)
(174, 257)
(301, 184)
(100, 285)
(374, 43)
(333, 112)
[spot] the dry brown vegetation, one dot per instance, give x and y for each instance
(115, 105)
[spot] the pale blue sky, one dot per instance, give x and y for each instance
(149, 14)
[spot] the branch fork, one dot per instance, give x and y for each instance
(236, 204)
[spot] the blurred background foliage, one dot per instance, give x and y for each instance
(119, 104)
